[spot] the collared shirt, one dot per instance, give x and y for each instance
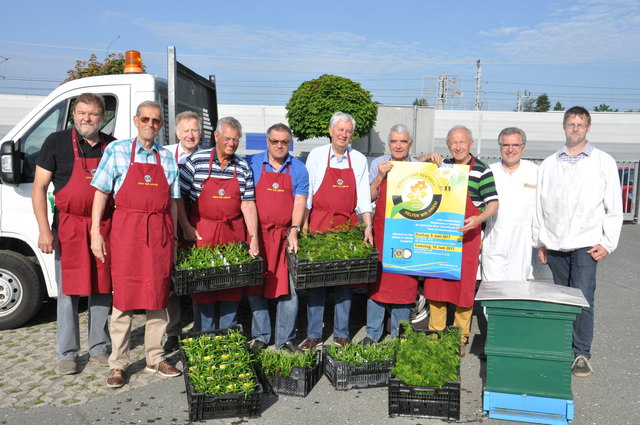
(114, 165)
(482, 187)
(317, 165)
(565, 156)
(297, 170)
(373, 170)
(182, 154)
(196, 171)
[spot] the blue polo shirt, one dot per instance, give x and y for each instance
(297, 170)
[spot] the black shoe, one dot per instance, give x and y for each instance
(258, 345)
(291, 347)
(581, 367)
(367, 341)
(171, 344)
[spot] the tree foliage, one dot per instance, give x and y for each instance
(312, 104)
(528, 105)
(603, 108)
(420, 101)
(542, 103)
(558, 107)
(112, 64)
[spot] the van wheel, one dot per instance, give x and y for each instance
(21, 293)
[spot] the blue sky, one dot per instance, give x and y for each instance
(581, 53)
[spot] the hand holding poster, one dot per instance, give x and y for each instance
(425, 207)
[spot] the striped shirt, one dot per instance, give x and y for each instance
(565, 156)
(196, 171)
(482, 187)
(115, 161)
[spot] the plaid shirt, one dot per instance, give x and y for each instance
(114, 165)
(565, 156)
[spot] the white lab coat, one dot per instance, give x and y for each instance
(508, 240)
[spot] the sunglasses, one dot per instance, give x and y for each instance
(154, 121)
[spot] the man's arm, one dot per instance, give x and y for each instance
(368, 230)
(39, 201)
(250, 214)
(297, 219)
(490, 209)
(189, 232)
(381, 174)
(97, 241)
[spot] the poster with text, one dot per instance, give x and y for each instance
(425, 207)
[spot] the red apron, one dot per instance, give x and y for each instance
(274, 200)
(334, 204)
(218, 219)
(389, 288)
(82, 273)
(143, 233)
(460, 292)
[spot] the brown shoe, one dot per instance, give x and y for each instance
(341, 342)
(463, 348)
(116, 378)
(310, 343)
(164, 369)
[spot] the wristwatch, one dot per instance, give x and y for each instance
(253, 235)
(296, 227)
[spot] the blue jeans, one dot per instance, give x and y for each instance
(286, 316)
(260, 321)
(375, 318)
(204, 315)
(577, 269)
(68, 327)
(315, 311)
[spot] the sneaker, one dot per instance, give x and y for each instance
(101, 359)
(367, 341)
(164, 369)
(290, 347)
(116, 378)
(258, 345)
(171, 344)
(68, 367)
(581, 367)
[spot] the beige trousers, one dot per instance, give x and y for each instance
(120, 330)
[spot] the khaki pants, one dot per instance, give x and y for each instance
(438, 318)
(120, 330)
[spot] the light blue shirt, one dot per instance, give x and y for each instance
(297, 170)
(114, 165)
(317, 165)
(373, 170)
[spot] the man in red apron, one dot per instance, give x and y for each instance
(482, 203)
(188, 130)
(338, 187)
(219, 186)
(282, 186)
(396, 291)
(144, 179)
(68, 158)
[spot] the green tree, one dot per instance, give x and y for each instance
(528, 105)
(542, 103)
(420, 101)
(112, 64)
(603, 108)
(558, 107)
(312, 104)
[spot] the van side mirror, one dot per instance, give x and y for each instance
(10, 171)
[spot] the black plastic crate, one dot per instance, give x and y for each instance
(211, 406)
(301, 380)
(345, 376)
(306, 274)
(217, 278)
(424, 402)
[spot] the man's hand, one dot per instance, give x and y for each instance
(45, 241)
(542, 255)
(292, 241)
(368, 235)
(384, 168)
(436, 158)
(97, 246)
(190, 233)
(470, 223)
(254, 247)
(598, 252)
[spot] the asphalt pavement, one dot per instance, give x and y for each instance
(31, 391)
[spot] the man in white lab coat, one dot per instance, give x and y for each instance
(508, 241)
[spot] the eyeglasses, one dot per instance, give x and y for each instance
(512, 145)
(275, 142)
(231, 139)
(578, 126)
(154, 121)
